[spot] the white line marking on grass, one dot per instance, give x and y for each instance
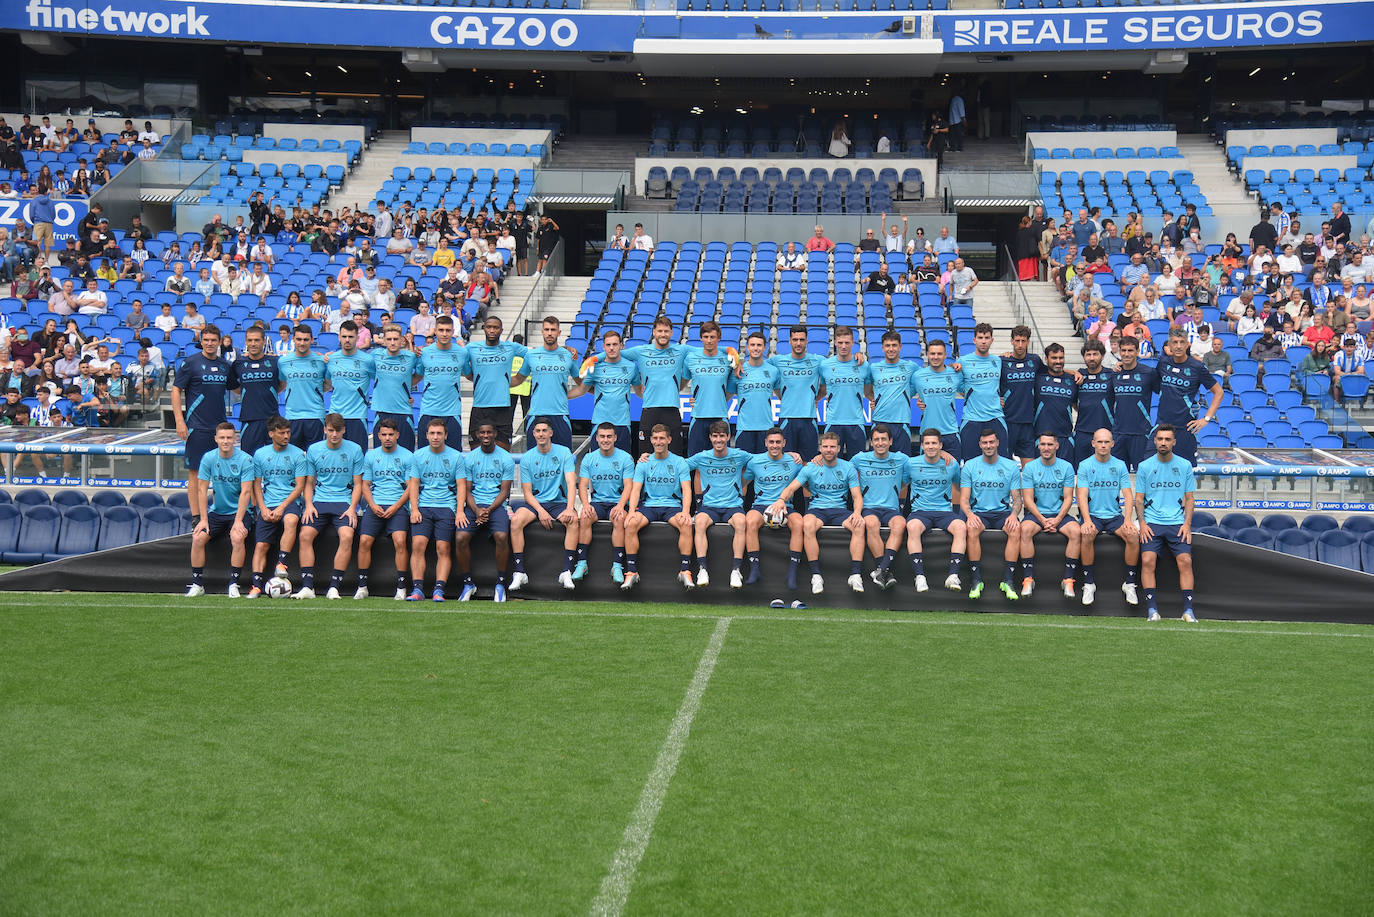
(615, 888)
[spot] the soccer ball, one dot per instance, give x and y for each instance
(775, 520)
(278, 587)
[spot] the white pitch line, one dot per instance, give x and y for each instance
(615, 887)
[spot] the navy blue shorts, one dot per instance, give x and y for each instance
(659, 513)
(436, 523)
(699, 434)
(355, 431)
(853, 438)
(603, 510)
(330, 514)
(623, 440)
(830, 516)
(562, 430)
(554, 509)
(901, 437)
(498, 521)
(801, 436)
(972, 431)
(1068, 450)
(198, 444)
(406, 423)
(221, 523)
(271, 531)
(454, 426)
(306, 432)
(1082, 447)
(953, 445)
(1185, 444)
(995, 520)
(1109, 525)
(933, 519)
(498, 417)
(720, 515)
(762, 508)
(1022, 439)
(883, 514)
(1131, 448)
(253, 436)
(751, 441)
(1167, 536)
(370, 525)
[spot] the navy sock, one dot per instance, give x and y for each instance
(519, 561)
(569, 557)
(1028, 568)
(1088, 573)
(1009, 571)
(794, 558)
(753, 558)
(235, 574)
(975, 570)
(581, 554)
(401, 581)
(1070, 569)
(815, 566)
(739, 564)
(438, 585)
(1187, 600)
(918, 564)
(956, 563)
(888, 557)
(1150, 600)
(257, 579)
(198, 576)
(362, 579)
(856, 567)
(307, 579)
(335, 579)
(281, 558)
(684, 561)
(1131, 574)
(620, 555)
(632, 563)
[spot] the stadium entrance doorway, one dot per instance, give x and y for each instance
(986, 230)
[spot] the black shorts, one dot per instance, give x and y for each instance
(994, 520)
(659, 513)
(1109, 525)
(554, 509)
(370, 525)
(670, 418)
(603, 511)
(199, 443)
(271, 531)
(1131, 448)
(406, 423)
(221, 523)
(498, 417)
(801, 437)
(853, 438)
(253, 436)
(720, 515)
(453, 426)
(751, 441)
(972, 431)
(355, 431)
(306, 432)
(830, 516)
(1022, 439)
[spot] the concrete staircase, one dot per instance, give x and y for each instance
(1207, 162)
(563, 302)
(598, 152)
(362, 184)
(993, 303)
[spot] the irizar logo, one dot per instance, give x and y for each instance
(43, 15)
(1166, 29)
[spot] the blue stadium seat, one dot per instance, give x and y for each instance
(1234, 522)
(1339, 548)
(179, 501)
(1297, 542)
(80, 532)
(159, 522)
(37, 535)
(105, 499)
(1203, 518)
(1278, 522)
(1318, 523)
(119, 526)
(32, 497)
(146, 499)
(1367, 552)
(1359, 525)
(65, 498)
(1254, 536)
(10, 518)
(5, 497)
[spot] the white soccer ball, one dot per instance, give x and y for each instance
(776, 520)
(278, 587)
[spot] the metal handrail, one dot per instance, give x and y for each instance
(1025, 315)
(541, 288)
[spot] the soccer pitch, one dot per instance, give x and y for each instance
(164, 755)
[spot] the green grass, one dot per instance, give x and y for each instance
(169, 756)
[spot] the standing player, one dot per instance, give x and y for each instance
(981, 377)
(1094, 413)
(488, 471)
(707, 372)
(1129, 397)
(443, 365)
(935, 386)
(799, 385)
(396, 369)
(934, 488)
(280, 471)
(548, 477)
(660, 368)
(302, 374)
(882, 480)
(719, 479)
(771, 472)
(386, 499)
(435, 475)
(1164, 500)
(1181, 377)
(350, 372)
(229, 472)
(489, 367)
(255, 377)
(1055, 395)
(845, 379)
(198, 392)
(1019, 372)
(332, 493)
(889, 392)
(1106, 504)
(613, 377)
(603, 484)
(756, 381)
(827, 482)
(549, 368)
(990, 498)
(1047, 492)
(661, 492)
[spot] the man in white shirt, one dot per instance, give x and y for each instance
(262, 252)
(92, 301)
(166, 322)
(235, 284)
(384, 298)
(148, 133)
(383, 222)
(1356, 271)
(259, 282)
(789, 259)
(397, 244)
(1289, 263)
(895, 240)
(219, 271)
(642, 241)
(962, 279)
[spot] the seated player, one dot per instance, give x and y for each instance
(990, 498)
(230, 470)
(662, 492)
(603, 484)
(386, 495)
(827, 484)
(332, 493)
(489, 471)
(435, 475)
(771, 472)
(882, 479)
(1047, 492)
(280, 471)
(934, 487)
(1164, 502)
(719, 480)
(548, 477)
(1106, 504)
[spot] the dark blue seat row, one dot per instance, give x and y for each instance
(34, 529)
(1318, 537)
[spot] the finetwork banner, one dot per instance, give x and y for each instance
(1195, 26)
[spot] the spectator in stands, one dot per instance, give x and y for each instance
(1355, 270)
(192, 320)
(937, 138)
(137, 319)
(895, 240)
(549, 234)
(1102, 328)
(234, 284)
(49, 341)
(1095, 255)
(1316, 363)
(869, 243)
(166, 322)
(106, 272)
(383, 297)
(818, 241)
(1027, 251)
(1202, 341)
(1250, 322)
(839, 141)
(1048, 238)
(1340, 224)
(143, 379)
(1085, 301)
(93, 300)
(1263, 233)
(927, 271)
(64, 301)
(945, 244)
(618, 241)
(68, 366)
(259, 282)
(1346, 362)
(1365, 348)
(962, 281)
(1135, 272)
(789, 259)
(1136, 328)
(1270, 346)
(1359, 303)
(1319, 331)
(1167, 282)
(881, 281)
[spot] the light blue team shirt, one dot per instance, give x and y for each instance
(799, 384)
(334, 469)
(754, 388)
(613, 384)
(892, 390)
(712, 381)
(437, 474)
(544, 471)
(938, 391)
(990, 483)
(982, 380)
(486, 472)
(352, 376)
(661, 371)
(304, 378)
(548, 372)
(227, 477)
(278, 470)
(662, 480)
(1164, 484)
(1048, 483)
(391, 393)
(844, 382)
(931, 484)
(829, 485)
(771, 477)
(443, 371)
(489, 366)
(722, 477)
(606, 474)
(387, 472)
(881, 479)
(1104, 481)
